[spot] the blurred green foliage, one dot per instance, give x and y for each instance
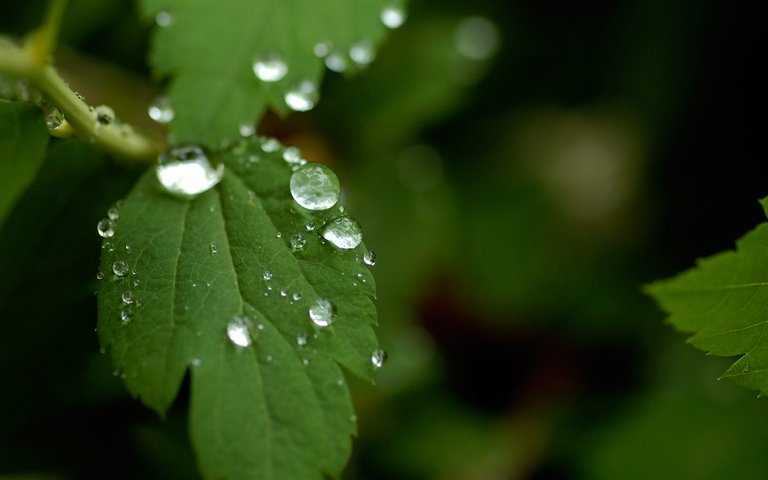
(516, 202)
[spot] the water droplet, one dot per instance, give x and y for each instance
(238, 330)
(344, 232)
(106, 228)
(322, 49)
(100, 276)
(196, 362)
(213, 248)
(336, 61)
(120, 268)
(362, 52)
(54, 119)
(113, 213)
(283, 293)
(292, 155)
(270, 145)
(104, 114)
(321, 312)
(127, 297)
(379, 358)
(369, 258)
(301, 339)
(136, 282)
(126, 313)
(267, 275)
(392, 16)
(161, 110)
(302, 97)
(310, 226)
(476, 38)
(163, 19)
(315, 187)
(304, 361)
(185, 171)
(340, 382)
(745, 369)
(269, 67)
(247, 129)
(298, 241)
(296, 296)
(268, 358)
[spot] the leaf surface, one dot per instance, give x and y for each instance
(208, 48)
(23, 138)
(274, 409)
(724, 303)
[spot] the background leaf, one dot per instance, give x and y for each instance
(208, 49)
(22, 149)
(723, 302)
(275, 409)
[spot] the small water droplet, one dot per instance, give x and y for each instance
(392, 16)
(104, 114)
(369, 258)
(340, 382)
(163, 19)
(113, 213)
(267, 275)
(302, 97)
(296, 296)
(269, 67)
(196, 362)
(161, 110)
(186, 172)
(246, 129)
(301, 339)
(120, 268)
(100, 276)
(745, 369)
(298, 241)
(213, 248)
(321, 312)
(126, 313)
(315, 187)
(268, 358)
(336, 61)
(310, 226)
(136, 282)
(106, 228)
(54, 119)
(270, 145)
(127, 297)
(304, 361)
(362, 52)
(283, 293)
(379, 358)
(279, 235)
(344, 232)
(238, 330)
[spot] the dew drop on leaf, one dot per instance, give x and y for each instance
(106, 228)
(120, 268)
(362, 52)
(213, 248)
(392, 16)
(186, 172)
(246, 129)
(163, 19)
(269, 67)
(127, 297)
(302, 97)
(336, 61)
(161, 110)
(270, 145)
(369, 258)
(298, 241)
(267, 275)
(54, 119)
(126, 313)
(301, 339)
(321, 312)
(238, 331)
(296, 296)
(315, 187)
(103, 114)
(322, 49)
(344, 232)
(379, 358)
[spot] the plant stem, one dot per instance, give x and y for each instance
(118, 139)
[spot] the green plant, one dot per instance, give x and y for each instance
(230, 258)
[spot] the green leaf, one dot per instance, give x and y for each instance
(208, 49)
(274, 409)
(23, 138)
(724, 302)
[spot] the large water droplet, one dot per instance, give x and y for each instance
(298, 241)
(161, 110)
(344, 232)
(321, 312)
(392, 16)
(315, 187)
(369, 258)
(379, 358)
(186, 172)
(163, 19)
(302, 97)
(238, 330)
(120, 268)
(106, 228)
(362, 53)
(269, 67)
